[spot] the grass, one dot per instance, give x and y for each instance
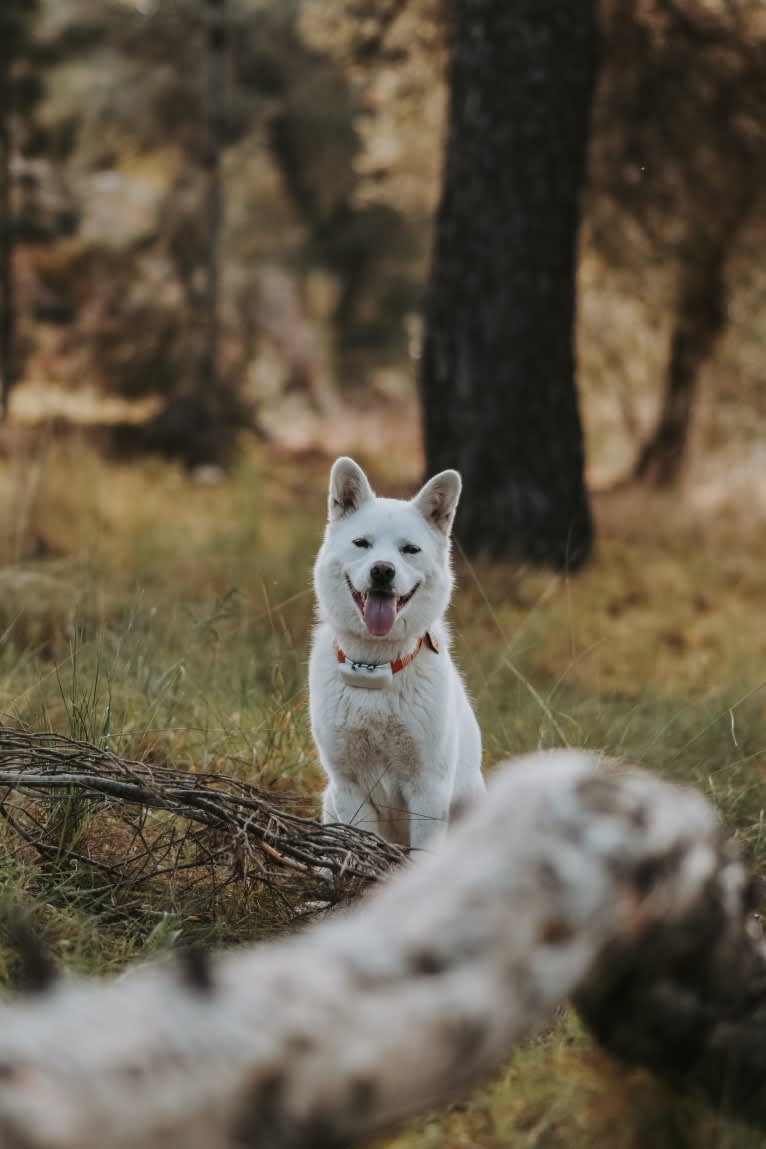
(170, 620)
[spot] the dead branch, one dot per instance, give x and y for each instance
(211, 827)
(564, 875)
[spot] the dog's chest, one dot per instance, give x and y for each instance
(377, 748)
(378, 731)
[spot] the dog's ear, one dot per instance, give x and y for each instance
(437, 500)
(349, 488)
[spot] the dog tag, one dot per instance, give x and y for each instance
(368, 675)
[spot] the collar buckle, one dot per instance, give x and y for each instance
(367, 675)
(377, 675)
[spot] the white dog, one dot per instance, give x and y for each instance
(396, 734)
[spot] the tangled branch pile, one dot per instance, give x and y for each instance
(124, 824)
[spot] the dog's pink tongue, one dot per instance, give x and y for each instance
(379, 613)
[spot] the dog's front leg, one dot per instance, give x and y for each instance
(345, 801)
(428, 808)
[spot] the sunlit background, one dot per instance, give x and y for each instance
(331, 135)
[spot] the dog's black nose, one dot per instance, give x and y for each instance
(382, 574)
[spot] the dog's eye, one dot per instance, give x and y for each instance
(364, 543)
(410, 549)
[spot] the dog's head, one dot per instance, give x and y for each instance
(383, 570)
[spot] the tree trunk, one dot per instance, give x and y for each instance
(568, 877)
(8, 315)
(700, 318)
(215, 105)
(200, 421)
(498, 366)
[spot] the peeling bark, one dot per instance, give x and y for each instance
(690, 1003)
(570, 877)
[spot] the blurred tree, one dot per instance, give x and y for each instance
(35, 208)
(7, 322)
(15, 23)
(215, 116)
(700, 318)
(314, 136)
(498, 367)
(170, 305)
(678, 166)
(201, 419)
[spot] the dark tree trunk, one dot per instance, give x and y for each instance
(215, 104)
(200, 423)
(700, 318)
(8, 314)
(498, 366)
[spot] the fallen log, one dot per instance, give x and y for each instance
(569, 877)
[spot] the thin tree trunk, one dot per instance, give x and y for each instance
(569, 877)
(700, 318)
(197, 423)
(498, 365)
(215, 110)
(7, 294)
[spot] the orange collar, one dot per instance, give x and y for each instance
(403, 659)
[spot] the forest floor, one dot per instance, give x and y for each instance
(170, 618)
